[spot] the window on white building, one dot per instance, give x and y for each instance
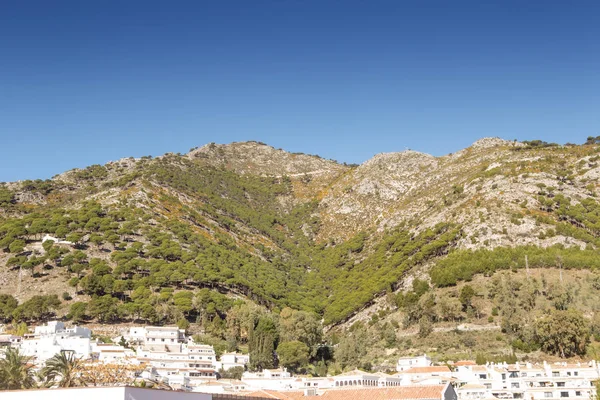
(547, 394)
(564, 394)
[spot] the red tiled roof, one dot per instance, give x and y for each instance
(463, 363)
(433, 392)
(273, 394)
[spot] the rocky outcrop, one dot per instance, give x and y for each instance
(260, 159)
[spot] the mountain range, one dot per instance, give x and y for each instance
(281, 229)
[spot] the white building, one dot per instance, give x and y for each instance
(59, 328)
(272, 379)
(109, 353)
(10, 340)
(231, 360)
(198, 351)
(230, 386)
(53, 338)
(473, 391)
(356, 378)
(527, 381)
(316, 383)
(432, 375)
(194, 361)
(155, 337)
(405, 363)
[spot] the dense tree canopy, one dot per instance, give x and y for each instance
(565, 333)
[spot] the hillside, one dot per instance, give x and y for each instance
(192, 237)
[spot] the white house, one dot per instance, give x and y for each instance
(53, 338)
(155, 337)
(273, 379)
(231, 360)
(109, 353)
(230, 386)
(193, 361)
(431, 375)
(199, 351)
(316, 383)
(59, 328)
(473, 391)
(10, 340)
(527, 381)
(405, 363)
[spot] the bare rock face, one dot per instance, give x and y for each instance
(392, 175)
(489, 142)
(261, 159)
(366, 195)
(482, 188)
(30, 197)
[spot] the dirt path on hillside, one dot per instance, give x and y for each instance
(460, 328)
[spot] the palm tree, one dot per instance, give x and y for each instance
(63, 370)
(16, 371)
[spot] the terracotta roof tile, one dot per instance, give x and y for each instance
(433, 392)
(463, 363)
(273, 394)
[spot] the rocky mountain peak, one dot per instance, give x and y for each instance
(261, 159)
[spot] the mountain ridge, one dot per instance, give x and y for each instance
(305, 224)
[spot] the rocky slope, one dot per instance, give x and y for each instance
(287, 229)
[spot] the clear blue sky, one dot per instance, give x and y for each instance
(84, 82)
